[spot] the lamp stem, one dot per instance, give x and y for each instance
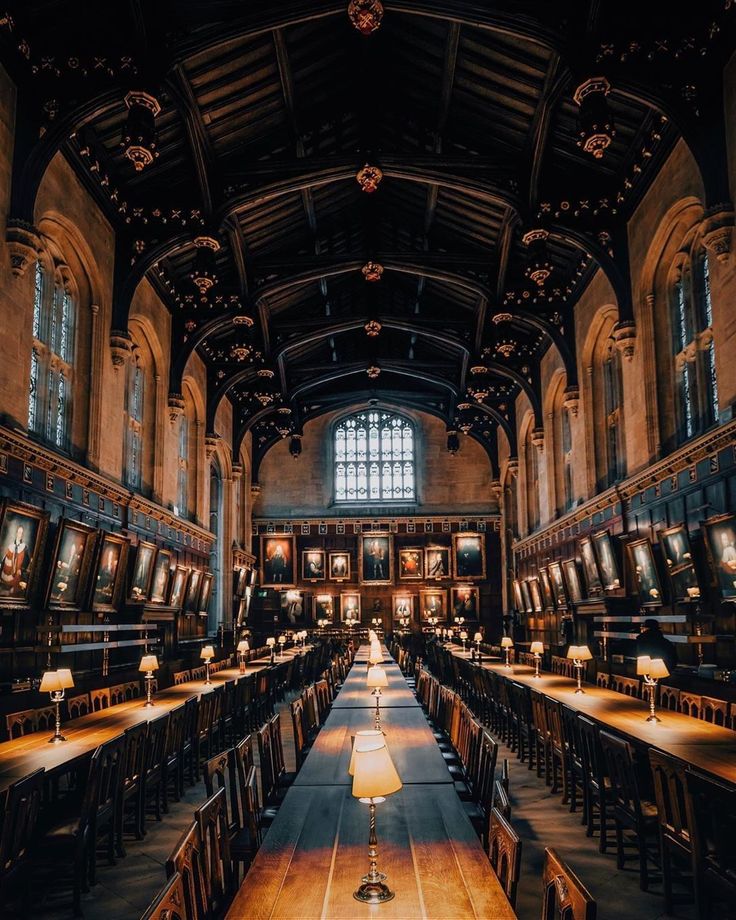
(207, 672)
(579, 668)
(507, 658)
(149, 688)
(378, 710)
(536, 665)
(373, 874)
(652, 688)
(56, 698)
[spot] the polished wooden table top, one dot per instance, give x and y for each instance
(316, 851)
(356, 695)
(413, 747)
(707, 747)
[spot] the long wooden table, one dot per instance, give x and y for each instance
(706, 747)
(23, 755)
(356, 695)
(316, 851)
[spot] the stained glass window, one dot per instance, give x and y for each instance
(134, 425)
(374, 458)
(182, 498)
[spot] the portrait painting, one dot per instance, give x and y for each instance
(678, 558)
(350, 606)
(469, 556)
(140, 582)
(70, 565)
(313, 565)
(205, 593)
(607, 564)
(403, 606)
(526, 595)
(240, 580)
(161, 577)
(178, 586)
(324, 607)
(339, 566)
(536, 593)
(465, 602)
(437, 562)
(518, 597)
(22, 536)
(572, 580)
(644, 573)
(547, 595)
(110, 572)
(292, 607)
(376, 559)
(191, 597)
(433, 603)
(590, 567)
(411, 564)
(558, 584)
(720, 541)
(277, 562)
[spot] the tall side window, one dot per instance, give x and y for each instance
(182, 485)
(52, 358)
(531, 469)
(611, 375)
(134, 421)
(374, 458)
(566, 458)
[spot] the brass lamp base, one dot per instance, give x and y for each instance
(653, 718)
(373, 892)
(56, 739)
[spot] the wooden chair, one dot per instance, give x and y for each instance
(557, 758)
(170, 902)
(132, 689)
(505, 774)
(629, 686)
(104, 816)
(117, 694)
(563, 894)
(631, 812)
(504, 852)
(181, 677)
(211, 818)
(173, 768)
(100, 699)
(202, 736)
(714, 710)
(501, 801)
(322, 690)
(669, 698)
(297, 722)
(217, 742)
(187, 859)
(21, 809)
(675, 839)
(46, 718)
(602, 679)
(711, 817)
(191, 716)
(198, 673)
(573, 757)
(153, 768)
(691, 704)
(79, 705)
(131, 782)
(597, 786)
(283, 778)
(220, 772)
(21, 723)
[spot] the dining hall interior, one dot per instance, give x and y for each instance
(367, 460)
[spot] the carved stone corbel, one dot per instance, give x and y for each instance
(495, 489)
(718, 232)
(255, 489)
(237, 469)
(210, 445)
(512, 467)
(176, 407)
(24, 245)
(121, 346)
(571, 400)
(538, 439)
(624, 335)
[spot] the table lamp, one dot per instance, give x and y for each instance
(282, 643)
(463, 638)
(507, 643)
(537, 649)
(207, 654)
(55, 683)
(478, 638)
(271, 643)
(460, 620)
(374, 777)
(651, 669)
(149, 664)
(243, 647)
(579, 654)
(438, 631)
(377, 680)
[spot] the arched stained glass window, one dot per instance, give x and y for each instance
(374, 458)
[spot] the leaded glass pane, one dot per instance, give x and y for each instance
(33, 393)
(60, 429)
(37, 300)
(374, 458)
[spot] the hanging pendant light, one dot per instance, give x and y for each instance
(203, 275)
(139, 135)
(265, 391)
(369, 178)
(372, 271)
(539, 267)
(365, 15)
(596, 129)
(372, 328)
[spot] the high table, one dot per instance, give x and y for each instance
(706, 747)
(23, 755)
(316, 851)
(355, 695)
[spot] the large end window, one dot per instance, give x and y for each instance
(374, 461)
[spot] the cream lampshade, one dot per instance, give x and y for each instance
(584, 653)
(56, 681)
(478, 637)
(537, 648)
(207, 653)
(375, 656)
(270, 642)
(148, 663)
(658, 669)
(373, 771)
(243, 646)
(376, 677)
(507, 642)
(643, 663)
(282, 640)
(463, 635)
